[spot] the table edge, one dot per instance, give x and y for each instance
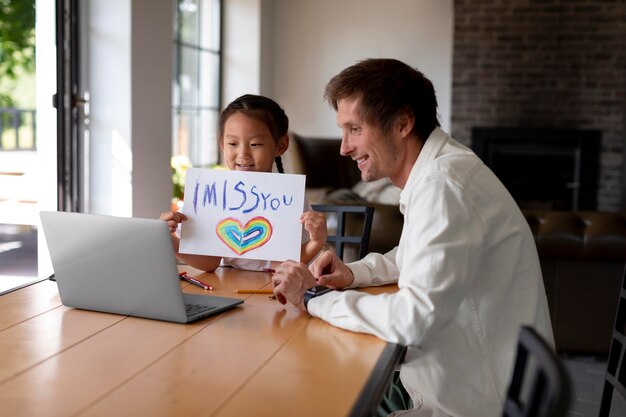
(374, 389)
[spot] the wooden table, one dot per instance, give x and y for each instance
(259, 359)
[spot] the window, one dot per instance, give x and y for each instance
(196, 85)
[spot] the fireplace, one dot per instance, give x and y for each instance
(552, 169)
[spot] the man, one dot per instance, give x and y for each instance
(466, 265)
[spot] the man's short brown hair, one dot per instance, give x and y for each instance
(387, 88)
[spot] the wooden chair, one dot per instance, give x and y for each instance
(615, 377)
(540, 386)
(342, 220)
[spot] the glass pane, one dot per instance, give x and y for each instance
(188, 77)
(176, 23)
(209, 79)
(196, 137)
(175, 85)
(183, 128)
(210, 25)
(26, 130)
(7, 130)
(206, 149)
(191, 119)
(188, 18)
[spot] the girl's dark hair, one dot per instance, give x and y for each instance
(263, 109)
(387, 88)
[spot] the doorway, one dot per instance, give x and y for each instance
(28, 145)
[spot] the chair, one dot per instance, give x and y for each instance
(343, 223)
(540, 386)
(615, 376)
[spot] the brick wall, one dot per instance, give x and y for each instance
(544, 63)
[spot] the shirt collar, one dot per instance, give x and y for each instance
(436, 140)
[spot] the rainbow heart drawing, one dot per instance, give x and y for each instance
(241, 239)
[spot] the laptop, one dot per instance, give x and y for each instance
(121, 265)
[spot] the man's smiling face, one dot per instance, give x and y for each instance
(376, 154)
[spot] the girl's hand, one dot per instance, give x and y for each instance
(315, 223)
(173, 219)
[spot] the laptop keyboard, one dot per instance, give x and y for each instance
(195, 309)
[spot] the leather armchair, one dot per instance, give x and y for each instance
(583, 255)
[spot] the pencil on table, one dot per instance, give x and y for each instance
(183, 275)
(254, 291)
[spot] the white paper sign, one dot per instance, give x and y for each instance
(239, 214)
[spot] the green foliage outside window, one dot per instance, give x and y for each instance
(180, 164)
(17, 46)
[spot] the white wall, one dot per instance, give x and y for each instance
(128, 74)
(311, 41)
(107, 80)
(241, 53)
(151, 75)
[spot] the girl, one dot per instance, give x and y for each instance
(253, 136)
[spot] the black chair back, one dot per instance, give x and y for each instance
(615, 377)
(540, 386)
(343, 227)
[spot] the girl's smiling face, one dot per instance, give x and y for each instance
(247, 144)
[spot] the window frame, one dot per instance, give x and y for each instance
(201, 112)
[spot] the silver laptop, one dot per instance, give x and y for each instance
(122, 265)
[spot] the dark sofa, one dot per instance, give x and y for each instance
(582, 254)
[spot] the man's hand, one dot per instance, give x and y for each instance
(331, 271)
(291, 279)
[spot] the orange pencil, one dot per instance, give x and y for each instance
(254, 291)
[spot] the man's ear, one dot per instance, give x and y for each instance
(283, 144)
(404, 124)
